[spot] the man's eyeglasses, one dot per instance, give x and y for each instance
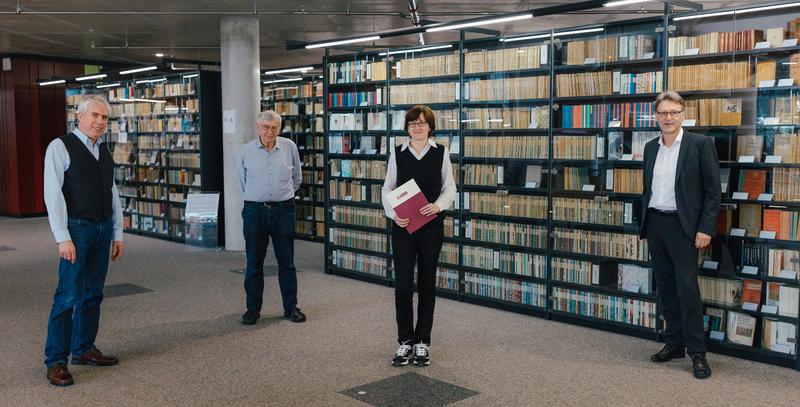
(274, 129)
(417, 124)
(669, 114)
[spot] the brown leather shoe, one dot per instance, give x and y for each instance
(95, 358)
(59, 375)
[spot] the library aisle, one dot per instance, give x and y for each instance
(171, 315)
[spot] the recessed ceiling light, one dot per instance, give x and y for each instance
(160, 55)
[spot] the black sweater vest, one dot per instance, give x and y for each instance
(427, 173)
(87, 181)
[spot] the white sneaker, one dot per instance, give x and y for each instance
(421, 355)
(403, 355)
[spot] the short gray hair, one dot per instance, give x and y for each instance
(88, 100)
(268, 116)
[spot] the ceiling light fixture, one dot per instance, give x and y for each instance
(109, 85)
(623, 3)
(716, 14)
(765, 8)
(537, 36)
(445, 27)
(159, 55)
(86, 78)
(56, 82)
(147, 68)
(423, 49)
(283, 80)
(303, 69)
(191, 75)
(151, 80)
(342, 42)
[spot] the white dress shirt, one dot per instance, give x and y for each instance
(448, 194)
(56, 163)
(664, 174)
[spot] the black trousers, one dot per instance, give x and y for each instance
(674, 259)
(422, 249)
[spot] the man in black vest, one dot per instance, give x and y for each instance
(85, 215)
(680, 203)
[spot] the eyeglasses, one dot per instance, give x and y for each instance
(670, 114)
(417, 124)
(275, 129)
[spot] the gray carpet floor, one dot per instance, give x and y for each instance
(181, 343)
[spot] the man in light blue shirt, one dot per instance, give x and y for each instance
(269, 172)
(85, 216)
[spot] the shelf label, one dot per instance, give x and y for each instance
(336, 173)
(717, 336)
(749, 306)
(791, 42)
(762, 45)
(627, 157)
(772, 121)
(689, 123)
(631, 288)
(767, 83)
(122, 137)
(588, 187)
(610, 180)
(356, 151)
(789, 274)
(496, 259)
(766, 234)
(649, 55)
(372, 151)
(786, 82)
(738, 232)
(499, 175)
(782, 348)
(710, 265)
(590, 61)
(750, 270)
(769, 309)
(747, 159)
(765, 197)
(615, 123)
(692, 51)
(773, 159)
(530, 184)
(724, 187)
(740, 196)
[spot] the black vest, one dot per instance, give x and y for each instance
(87, 181)
(427, 173)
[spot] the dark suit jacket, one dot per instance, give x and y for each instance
(697, 187)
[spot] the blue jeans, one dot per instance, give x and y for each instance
(75, 316)
(260, 223)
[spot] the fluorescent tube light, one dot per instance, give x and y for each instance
(108, 85)
(717, 14)
(147, 68)
(141, 100)
(192, 75)
(283, 80)
(765, 8)
(86, 78)
(423, 49)
(303, 69)
(527, 37)
(623, 3)
(52, 82)
(151, 80)
(445, 27)
(588, 30)
(533, 37)
(341, 42)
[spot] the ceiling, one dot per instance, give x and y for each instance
(131, 32)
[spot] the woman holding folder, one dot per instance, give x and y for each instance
(427, 164)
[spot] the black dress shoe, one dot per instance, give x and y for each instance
(294, 315)
(250, 317)
(669, 352)
(700, 366)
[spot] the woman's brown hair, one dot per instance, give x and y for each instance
(421, 110)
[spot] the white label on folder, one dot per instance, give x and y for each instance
(601, 141)
(771, 121)
(766, 234)
(717, 336)
(587, 187)
(692, 51)
(530, 184)
(786, 82)
(747, 159)
(496, 261)
(767, 83)
(402, 193)
(740, 195)
(792, 42)
(750, 270)
(769, 309)
(628, 213)
(789, 274)
(649, 55)
(595, 274)
(689, 123)
(762, 45)
(627, 157)
(773, 159)
(711, 265)
(738, 232)
(724, 187)
(590, 61)
(615, 123)
(765, 197)
(609, 180)
(749, 306)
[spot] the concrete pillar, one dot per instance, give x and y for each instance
(240, 56)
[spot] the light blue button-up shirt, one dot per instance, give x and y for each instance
(56, 163)
(269, 176)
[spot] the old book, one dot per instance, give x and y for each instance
(749, 145)
(787, 146)
(775, 37)
(772, 221)
(714, 319)
(724, 221)
(751, 291)
(753, 182)
(750, 219)
(122, 153)
(765, 71)
(741, 328)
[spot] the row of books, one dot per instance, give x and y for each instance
(357, 239)
(505, 59)
(526, 87)
(436, 65)
(527, 206)
(358, 169)
(449, 253)
(356, 71)
(607, 83)
(628, 181)
(614, 213)
(359, 216)
(536, 117)
(522, 264)
(447, 279)
(715, 42)
(610, 49)
(294, 108)
(514, 234)
(520, 292)
(424, 93)
(624, 277)
(151, 208)
(603, 306)
(354, 191)
(506, 146)
(596, 243)
(722, 75)
(183, 177)
(779, 110)
(310, 228)
(359, 262)
(641, 114)
(354, 99)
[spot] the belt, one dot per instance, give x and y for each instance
(662, 212)
(274, 204)
(93, 220)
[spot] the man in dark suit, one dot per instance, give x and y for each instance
(680, 203)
